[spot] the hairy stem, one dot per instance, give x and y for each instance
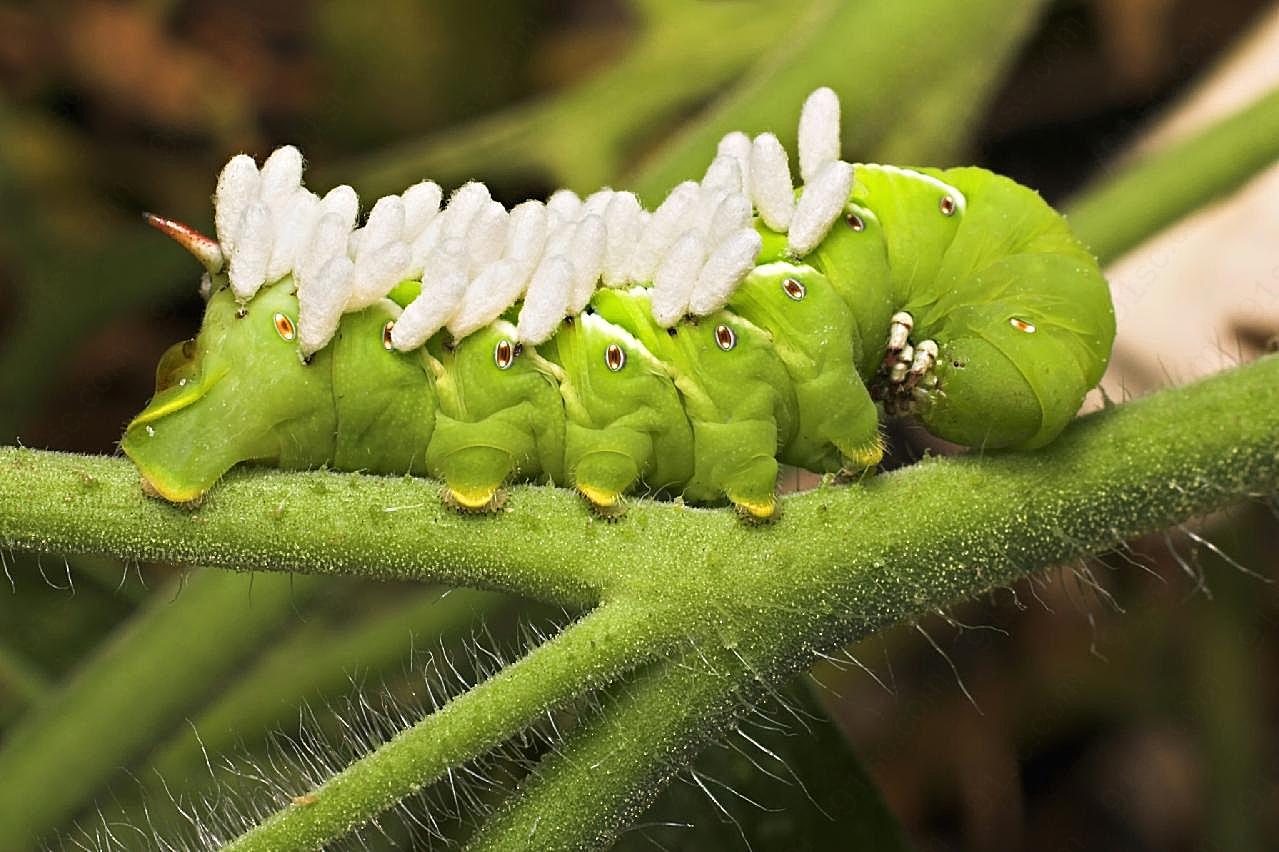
(660, 721)
(318, 522)
(1157, 190)
(1134, 468)
(587, 655)
(610, 770)
(114, 705)
(845, 561)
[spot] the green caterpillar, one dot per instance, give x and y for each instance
(741, 325)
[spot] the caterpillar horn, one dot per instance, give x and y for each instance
(205, 249)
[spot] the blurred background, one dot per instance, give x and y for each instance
(1129, 704)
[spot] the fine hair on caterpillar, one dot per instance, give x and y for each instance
(686, 351)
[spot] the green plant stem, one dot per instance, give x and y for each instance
(896, 108)
(610, 770)
(21, 682)
(318, 661)
(316, 522)
(585, 656)
(1142, 465)
(845, 560)
(1145, 197)
(672, 709)
(68, 745)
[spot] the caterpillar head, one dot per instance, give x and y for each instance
(238, 392)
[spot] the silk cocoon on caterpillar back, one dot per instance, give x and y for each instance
(686, 351)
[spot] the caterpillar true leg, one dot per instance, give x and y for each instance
(898, 339)
(923, 362)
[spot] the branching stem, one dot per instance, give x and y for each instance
(844, 561)
(585, 656)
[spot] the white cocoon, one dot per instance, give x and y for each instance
(546, 303)
(589, 242)
(237, 188)
(321, 301)
(727, 266)
(385, 223)
(708, 202)
(563, 206)
(724, 174)
(328, 240)
(281, 176)
(421, 204)
(675, 278)
(425, 245)
(496, 288)
(252, 251)
(343, 201)
(463, 205)
(442, 288)
(597, 202)
(822, 201)
(292, 233)
(486, 240)
(771, 187)
(732, 214)
(738, 146)
(622, 226)
(663, 228)
(526, 232)
(377, 270)
(818, 133)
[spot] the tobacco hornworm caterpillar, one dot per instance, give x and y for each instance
(741, 324)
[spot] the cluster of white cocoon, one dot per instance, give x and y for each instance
(476, 259)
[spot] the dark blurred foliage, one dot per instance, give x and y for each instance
(1150, 729)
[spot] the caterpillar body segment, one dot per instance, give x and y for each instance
(687, 352)
(383, 420)
(237, 393)
(500, 417)
(625, 428)
(737, 396)
(814, 333)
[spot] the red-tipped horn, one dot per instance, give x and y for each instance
(205, 249)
